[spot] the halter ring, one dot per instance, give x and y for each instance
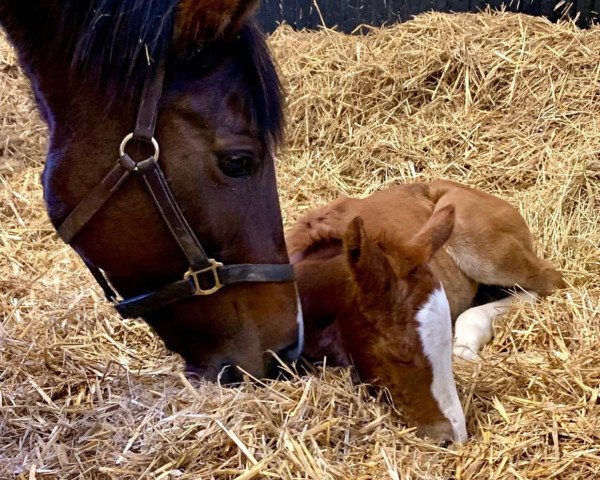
(130, 137)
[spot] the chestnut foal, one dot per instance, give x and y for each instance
(381, 280)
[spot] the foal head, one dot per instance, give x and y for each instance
(220, 119)
(405, 342)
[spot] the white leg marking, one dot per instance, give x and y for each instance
(435, 330)
(474, 327)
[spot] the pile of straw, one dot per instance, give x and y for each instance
(506, 103)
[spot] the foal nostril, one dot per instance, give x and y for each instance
(273, 361)
(445, 443)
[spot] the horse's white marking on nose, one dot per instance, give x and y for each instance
(300, 321)
(435, 330)
(474, 327)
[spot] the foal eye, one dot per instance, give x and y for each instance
(237, 165)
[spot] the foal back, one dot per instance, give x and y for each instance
(491, 243)
(391, 216)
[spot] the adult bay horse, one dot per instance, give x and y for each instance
(382, 279)
(195, 83)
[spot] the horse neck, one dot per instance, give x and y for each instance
(44, 42)
(34, 29)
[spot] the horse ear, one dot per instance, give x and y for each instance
(430, 238)
(373, 274)
(205, 20)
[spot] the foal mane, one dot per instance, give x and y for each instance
(113, 43)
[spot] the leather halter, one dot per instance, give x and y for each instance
(205, 275)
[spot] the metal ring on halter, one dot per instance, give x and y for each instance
(130, 137)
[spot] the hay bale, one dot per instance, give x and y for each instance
(503, 102)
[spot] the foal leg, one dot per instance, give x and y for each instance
(474, 327)
(491, 242)
(492, 245)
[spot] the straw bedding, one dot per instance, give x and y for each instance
(506, 103)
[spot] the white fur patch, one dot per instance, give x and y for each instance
(474, 327)
(435, 330)
(300, 321)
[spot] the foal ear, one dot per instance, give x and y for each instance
(430, 238)
(369, 265)
(355, 241)
(205, 20)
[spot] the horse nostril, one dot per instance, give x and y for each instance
(289, 354)
(229, 375)
(193, 371)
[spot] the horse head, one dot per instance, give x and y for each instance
(220, 120)
(403, 340)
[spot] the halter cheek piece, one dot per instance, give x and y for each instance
(205, 275)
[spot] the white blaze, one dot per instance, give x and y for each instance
(435, 330)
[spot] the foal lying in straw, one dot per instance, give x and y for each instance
(382, 279)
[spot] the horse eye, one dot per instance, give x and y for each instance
(236, 165)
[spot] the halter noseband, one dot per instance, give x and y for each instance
(205, 275)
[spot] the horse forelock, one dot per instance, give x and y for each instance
(113, 42)
(112, 45)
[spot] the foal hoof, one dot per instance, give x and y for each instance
(466, 353)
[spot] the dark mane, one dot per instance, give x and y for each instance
(116, 41)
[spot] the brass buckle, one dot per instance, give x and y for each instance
(214, 268)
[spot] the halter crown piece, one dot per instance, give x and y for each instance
(205, 275)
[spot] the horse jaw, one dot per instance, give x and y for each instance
(435, 330)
